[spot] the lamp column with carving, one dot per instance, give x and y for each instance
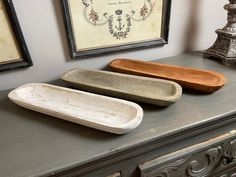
(224, 47)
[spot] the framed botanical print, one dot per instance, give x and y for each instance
(100, 26)
(13, 49)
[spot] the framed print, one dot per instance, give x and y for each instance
(100, 26)
(13, 49)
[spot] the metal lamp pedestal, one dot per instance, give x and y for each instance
(224, 47)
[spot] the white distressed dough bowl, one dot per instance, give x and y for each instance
(92, 110)
(137, 88)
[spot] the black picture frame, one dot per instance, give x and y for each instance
(26, 58)
(133, 46)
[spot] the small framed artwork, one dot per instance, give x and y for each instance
(101, 26)
(13, 49)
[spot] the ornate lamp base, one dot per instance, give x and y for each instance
(224, 48)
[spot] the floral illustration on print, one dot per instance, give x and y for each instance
(119, 24)
(144, 11)
(85, 2)
(93, 16)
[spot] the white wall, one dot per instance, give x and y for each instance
(43, 28)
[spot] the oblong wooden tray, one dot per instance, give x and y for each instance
(136, 88)
(96, 111)
(196, 79)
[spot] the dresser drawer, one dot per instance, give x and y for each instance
(207, 158)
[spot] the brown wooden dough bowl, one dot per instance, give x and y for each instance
(195, 79)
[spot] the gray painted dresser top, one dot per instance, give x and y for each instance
(33, 144)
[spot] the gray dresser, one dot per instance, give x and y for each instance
(193, 138)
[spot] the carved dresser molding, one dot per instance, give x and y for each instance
(230, 174)
(201, 160)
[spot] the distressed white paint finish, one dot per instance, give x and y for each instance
(92, 110)
(137, 88)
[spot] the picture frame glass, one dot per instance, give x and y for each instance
(95, 26)
(110, 23)
(9, 50)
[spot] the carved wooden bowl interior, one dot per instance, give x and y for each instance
(191, 78)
